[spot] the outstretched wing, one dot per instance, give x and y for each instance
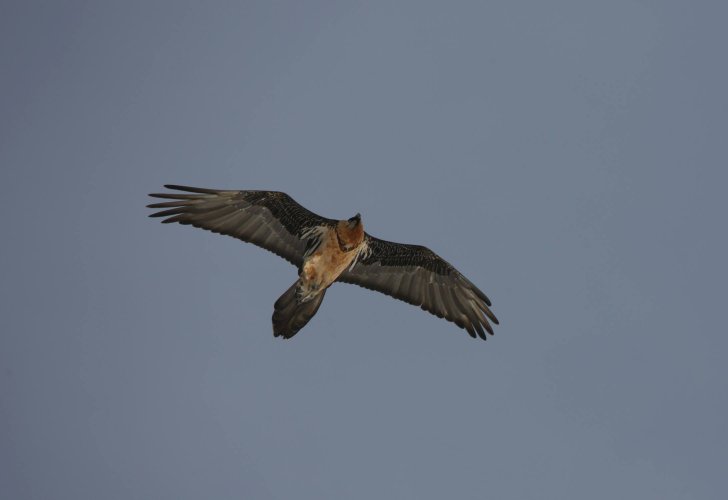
(269, 219)
(419, 276)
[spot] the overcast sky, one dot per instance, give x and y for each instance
(569, 157)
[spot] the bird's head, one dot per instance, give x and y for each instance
(354, 221)
(350, 233)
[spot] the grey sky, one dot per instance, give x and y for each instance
(569, 157)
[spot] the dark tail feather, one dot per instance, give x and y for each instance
(290, 315)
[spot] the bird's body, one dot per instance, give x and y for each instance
(339, 247)
(327, 250)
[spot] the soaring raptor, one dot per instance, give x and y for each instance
(328, 250)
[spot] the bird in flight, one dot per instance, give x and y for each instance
(328, 250)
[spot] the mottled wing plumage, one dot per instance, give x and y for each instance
(417, 275)
(269, 219)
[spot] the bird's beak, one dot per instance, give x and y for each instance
(354, 221)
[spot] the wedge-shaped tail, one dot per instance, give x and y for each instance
(290, 314)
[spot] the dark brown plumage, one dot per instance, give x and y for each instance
(275, 222)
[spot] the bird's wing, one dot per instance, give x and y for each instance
(270, 219)
(419, 276)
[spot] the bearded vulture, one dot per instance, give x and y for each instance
(327, 250)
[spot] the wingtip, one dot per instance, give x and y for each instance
(481, 333)
(191, 189)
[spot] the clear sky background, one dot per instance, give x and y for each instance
(569, 157)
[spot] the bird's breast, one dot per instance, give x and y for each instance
(322, 267)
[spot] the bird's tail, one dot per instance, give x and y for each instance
(290, 314)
